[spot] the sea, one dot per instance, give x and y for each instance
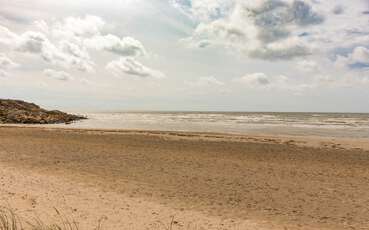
(352, 125)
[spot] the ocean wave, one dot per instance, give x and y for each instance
(286, 123)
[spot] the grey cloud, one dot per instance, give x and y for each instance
(273, 17)
(262, 81)
(338, 10)
(304, 15)
(280, 53)
(129, 66)
(262, 29)
(126, 46)
(32, 42)
(6, 62)
(272, 34)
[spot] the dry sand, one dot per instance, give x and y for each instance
(140, 179)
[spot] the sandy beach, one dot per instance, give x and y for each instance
(142, 179)
(184, 115)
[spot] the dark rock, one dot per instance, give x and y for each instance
(21, 112)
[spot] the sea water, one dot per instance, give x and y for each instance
(317, 124)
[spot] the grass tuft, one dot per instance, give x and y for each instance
(9, 220)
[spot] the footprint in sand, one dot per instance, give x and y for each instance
(30, 201)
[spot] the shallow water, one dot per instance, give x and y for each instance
(318, 124)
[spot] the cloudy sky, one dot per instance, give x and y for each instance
(237, 55)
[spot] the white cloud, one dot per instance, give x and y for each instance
(42, 26)
(259, 80)
(204, 10)
(360, 55)
(87, 31)
(58, 75)
(357, 59)
(329, 79)
(74, 36)
(70, 27)
(6, 36)
(126, 46)
(6, 64)
(77, 56)
(65, 43)
(74, 50)
(210, 9)
(67, 55)
(129, 66)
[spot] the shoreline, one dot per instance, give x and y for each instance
(215, 181)
(300, 140)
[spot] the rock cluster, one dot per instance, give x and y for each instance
(21, 112)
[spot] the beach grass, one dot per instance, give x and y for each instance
(9, 220)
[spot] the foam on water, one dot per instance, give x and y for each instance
(321, 124)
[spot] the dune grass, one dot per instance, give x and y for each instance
(9, 220)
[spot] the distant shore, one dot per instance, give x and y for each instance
(211, 180)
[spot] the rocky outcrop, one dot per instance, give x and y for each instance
(21, 112)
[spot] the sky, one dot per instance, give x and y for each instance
(199, 55)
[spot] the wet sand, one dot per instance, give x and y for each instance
(140, 179)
